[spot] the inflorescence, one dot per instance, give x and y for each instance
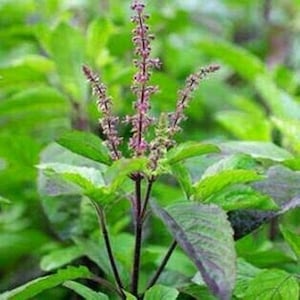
(168, 124)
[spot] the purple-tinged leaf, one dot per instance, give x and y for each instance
(283, 185)
(245, 221)
(205, 234)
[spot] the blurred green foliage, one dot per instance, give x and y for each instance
(43, 94)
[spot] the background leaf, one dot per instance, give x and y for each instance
(84, 291)
(292, 239)
(213, 184)
(4, 200)
(254, 128)
(68, 52)
(41, 284)
(60, 257)
(257, 150)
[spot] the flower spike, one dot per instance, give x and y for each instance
(185, 95)
(140, 88)
(108, 122)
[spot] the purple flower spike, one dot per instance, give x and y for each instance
(108, 122)
(185, 94)
(140, 88)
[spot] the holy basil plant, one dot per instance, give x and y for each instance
(180, 246)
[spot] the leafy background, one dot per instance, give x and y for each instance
(255, 97)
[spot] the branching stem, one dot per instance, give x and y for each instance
(147, 197)
(106, 284)
(102, 223)
(162, 265)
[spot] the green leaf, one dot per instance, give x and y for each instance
(33, 106)
(102, 195)
(95, 250)
(182, 175)
(253, 128)
(98, 33)
(123, 245)
(84, 291)
(85, 144)
(281, 103)
(292, 239)
(129, 296)
(256, 149)
(37, 286)
(61, 199)
(60, 257)
(273, 284)
(122, 168)
(271, 257)
(188, 150)
(160, 292)
(241, 60)
(87, 178)
(198, 292)
(253, 69)
(242, 197)
(293, 163)
(4, 200)
(231, 162)
(24, 242)
(291, 132)
(205, 234)
(67, 48)
(213, 184)
(245, 273)
(22, 75)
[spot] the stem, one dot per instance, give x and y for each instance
(138, 237)
(147, 197)
(79, 120)
(106, 284)
(102, 223)
(162, 265)
(267, 10)
(273, 229)
(143, 87)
